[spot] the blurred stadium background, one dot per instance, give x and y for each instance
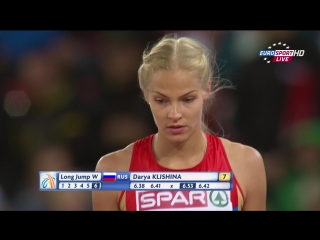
(69, 97)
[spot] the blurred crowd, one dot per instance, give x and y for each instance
(69, 97)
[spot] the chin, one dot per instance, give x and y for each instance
(177, 138)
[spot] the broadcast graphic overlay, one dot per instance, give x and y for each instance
(280, 53)
(48, 180)
(135, 181)
(196, 196)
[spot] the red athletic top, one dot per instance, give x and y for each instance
(215, 160)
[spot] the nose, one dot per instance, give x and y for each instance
(174, 113)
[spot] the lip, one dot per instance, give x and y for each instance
(176, 129)
(175, 126)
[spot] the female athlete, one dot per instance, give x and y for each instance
(176, 78)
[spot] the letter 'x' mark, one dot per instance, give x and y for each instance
(171, 186)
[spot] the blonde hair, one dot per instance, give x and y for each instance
(171, 53)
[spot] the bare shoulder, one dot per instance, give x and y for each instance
(115, 161)
(248, 167)
(242, 154)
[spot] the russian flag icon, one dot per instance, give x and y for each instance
(109, 176)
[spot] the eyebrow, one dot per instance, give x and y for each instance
(180, 96)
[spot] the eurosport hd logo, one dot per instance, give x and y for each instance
(280, 53)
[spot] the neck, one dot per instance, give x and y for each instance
(195, 145)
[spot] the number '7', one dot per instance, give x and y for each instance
(224, 176)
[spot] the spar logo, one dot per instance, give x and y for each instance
(183, 200)
(280, 53)
(219, 198)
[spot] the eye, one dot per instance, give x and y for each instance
(160, 101)
(188, 100)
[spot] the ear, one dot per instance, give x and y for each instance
(146, 96)
(207, 92)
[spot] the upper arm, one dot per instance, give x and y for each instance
(256, 183)
(114, 162)
(105, 200)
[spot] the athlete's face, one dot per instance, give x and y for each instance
(176, 99)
